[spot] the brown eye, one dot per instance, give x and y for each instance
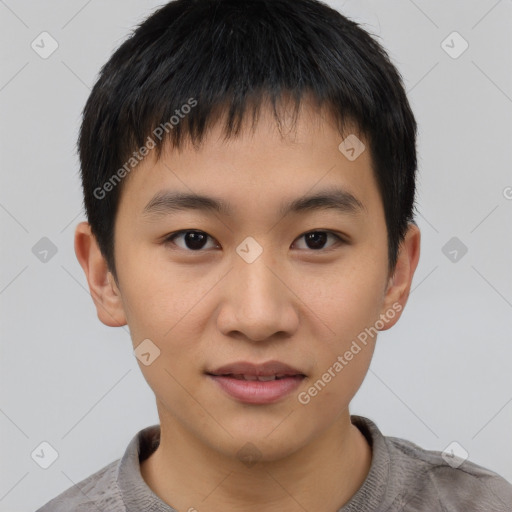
(190, 240)
(316, 240)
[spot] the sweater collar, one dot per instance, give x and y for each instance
(137, 495)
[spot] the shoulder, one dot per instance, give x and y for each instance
(98, 491)
(433, 479)
(405, 477)
(110, 487)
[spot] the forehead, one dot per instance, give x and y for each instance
(263, 165)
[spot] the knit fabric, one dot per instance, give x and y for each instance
(403, 478)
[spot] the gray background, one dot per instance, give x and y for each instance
(441, 375)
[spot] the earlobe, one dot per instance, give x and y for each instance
(104, 292)
(399, 284)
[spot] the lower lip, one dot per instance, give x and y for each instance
(255, 391)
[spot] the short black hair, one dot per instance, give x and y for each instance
(192, 59)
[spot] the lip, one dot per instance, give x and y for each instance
(254, 391)
(263, 369)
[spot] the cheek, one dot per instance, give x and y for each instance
(347, 298)
(349, 307)
(348, 302)
(162, 299)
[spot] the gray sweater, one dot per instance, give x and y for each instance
(403, 477)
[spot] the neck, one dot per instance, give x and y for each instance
(322, 476)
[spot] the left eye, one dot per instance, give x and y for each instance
(196, 240)
(317, 239)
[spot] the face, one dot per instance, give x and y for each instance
(291, 267)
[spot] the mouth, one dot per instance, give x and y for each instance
(257, 383)
(249, 377)
(253, 371)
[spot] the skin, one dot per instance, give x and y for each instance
(296, 304)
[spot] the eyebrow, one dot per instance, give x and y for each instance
(166, 202)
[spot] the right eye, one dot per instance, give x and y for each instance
(192, 240)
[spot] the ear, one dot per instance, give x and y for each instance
(399, 284)
(104, 291)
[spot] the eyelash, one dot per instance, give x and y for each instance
(169, 240)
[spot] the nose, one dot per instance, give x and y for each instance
(258, 304)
